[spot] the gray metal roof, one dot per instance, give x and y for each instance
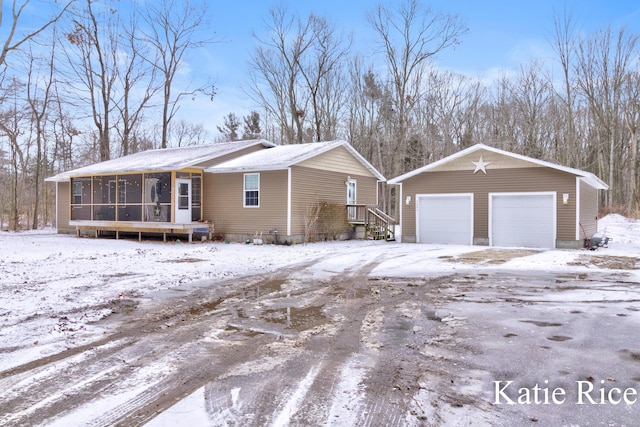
(162, 159)
(284, 156)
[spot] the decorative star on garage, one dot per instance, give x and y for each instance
(481, 165)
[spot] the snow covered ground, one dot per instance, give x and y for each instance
(54, 287)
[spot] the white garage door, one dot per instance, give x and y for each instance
(523, 220)
(445, 218)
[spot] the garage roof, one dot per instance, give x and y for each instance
(590, 178)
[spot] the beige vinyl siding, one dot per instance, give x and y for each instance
(588, 210)
(63, 210)
(495, 160)
(534, 179)
(223, 203)
(310, 185)
(230, 156)
(337, 160)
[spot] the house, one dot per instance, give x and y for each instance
(239, 189)
(273, 192)
(487, 196)
(137, 193)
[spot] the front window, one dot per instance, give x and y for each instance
(251, 190)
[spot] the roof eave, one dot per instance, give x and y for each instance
(245, 169)
(592, 179)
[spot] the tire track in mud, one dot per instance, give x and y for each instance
(311, 384)
(58, 384)
(232, 341)
(297, 384)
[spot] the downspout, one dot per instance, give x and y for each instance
(58, 206)
(289, 202)
(400, 212)
(578, 209)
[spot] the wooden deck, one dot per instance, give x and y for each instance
(163, 228)
(377, 224)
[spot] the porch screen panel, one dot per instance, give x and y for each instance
(81, 198)
(196, 199)
(157, 197)
(104, 198)
(130, 197)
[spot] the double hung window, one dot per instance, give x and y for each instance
(251, 190)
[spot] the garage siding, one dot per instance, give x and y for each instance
(534, 179)
(588, 210)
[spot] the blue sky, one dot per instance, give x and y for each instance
(503, 34)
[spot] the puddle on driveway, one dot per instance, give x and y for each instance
(541, 324)
(264, 288)
(631, 355)
(569, 278)
(559, 338)
(205, 308)
(299, 319)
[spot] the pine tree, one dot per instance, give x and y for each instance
(230, 127)
(251, 129)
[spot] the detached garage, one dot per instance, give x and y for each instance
(487, 196)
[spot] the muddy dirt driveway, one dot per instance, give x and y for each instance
(320, 344)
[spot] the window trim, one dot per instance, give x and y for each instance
(245, 190)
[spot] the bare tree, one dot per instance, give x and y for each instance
(63, 131)
(632, 122)
(138, 84)
(275, 72)
(184, 133)
(564, 44)
(448, 110)
(14, 41)
(172, 31)
(531, 95)
(15, 37)
(365, 112)
(39, 92)
(322, 74)
(604, 61)
(92, 55)
(12, 123)
(409, 36)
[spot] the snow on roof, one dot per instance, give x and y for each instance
(162, 159)
(587, 176)
(284, 156)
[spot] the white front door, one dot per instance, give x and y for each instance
(183, 201)
(351, 199)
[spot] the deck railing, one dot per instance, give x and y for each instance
(378, 225)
